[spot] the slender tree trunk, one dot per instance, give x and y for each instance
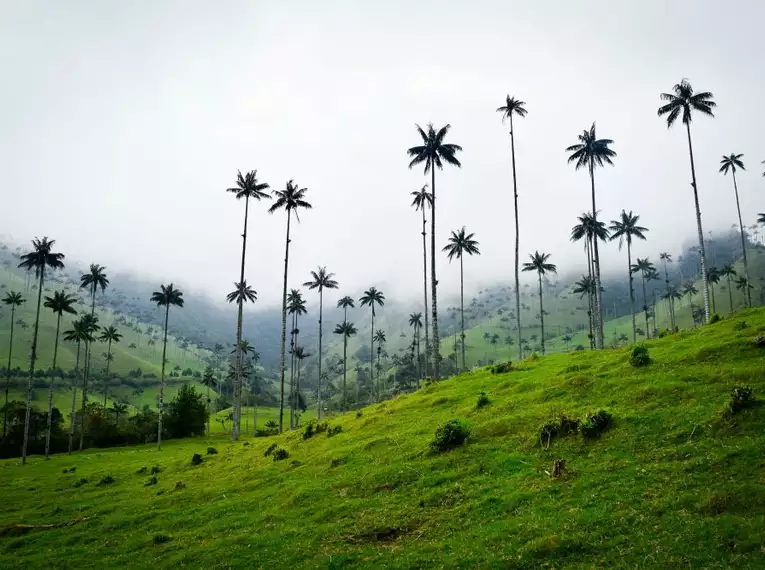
(162, 382)
(284, 326)
(670, 300)
(425, 288)
(730, 295)
(590, 293)
(293, 346)
(32, 360)
(318, 385)
(702, 251)
(108, 365)
(632, 293)
(372, 350)
(596, 261)
(74, 398)
(462, 314)
(541, 313)
(517, 242)
(645, 307)
(50, 392)
(8, 373)
(434, 282)
(419, 362)
(712, 296)
(235, 428)
(743, 245)
(345, 370)
(208, 409)
(690, 301)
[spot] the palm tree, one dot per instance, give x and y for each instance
(433, 153)
(60, 303)
(690, 289)
(37, 260)
(90, 323)
(586, 286)
(300, 354)
(13, 300)
(295, 307)
(713, 278)
(79, 333)
(728, 271)
(459, 244)
(673, 294)
(167, 297)
(379, 338)
(665, 259)
(743, 285)
(320, 280)
(645, 268)
(684, 100)
(344, 303)
(109, 335)
(626, 228)
(730, 164)
(421, 201)
(512, 107)
(291, 199)
(591, 230)
(247, 187)
(95, 278)
(539, 264)
(209, 381)
(372, 297)
(241, 294)
(347, 330)
(415, 321)
(588, 153)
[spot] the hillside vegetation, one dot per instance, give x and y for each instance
(676, 482)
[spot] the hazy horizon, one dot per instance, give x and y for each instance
(127, 121)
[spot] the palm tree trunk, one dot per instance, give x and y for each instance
(596, 261)
(293, 345)
(712, 295)
(690, 301)
(50, 392)
(318, 385)
(297, 394)
(208, 409)
(108, 365)
(743, 245)
(590, 293)
(237, 403)
(345, 368)
(284, 326)
(32, 360)
(462, 314)
(425, 288)
(419, 363)
(372, 349)
(434, 282)
(84, 394)
(541, 313)
(74, 397)
(162, 382)
(517, 243)
(632, 293)
(8, 374)
(702, 251)
(645, 308)
(670, 301)
(730, 295)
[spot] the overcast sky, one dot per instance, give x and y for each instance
(124, 122)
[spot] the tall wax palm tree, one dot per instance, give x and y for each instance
(713, 278)
(728, 271)
(109, 335)
(588, 153)
(344, 304)
(379, 338)
(653, 275)
(167, 297)
(673, 294)
(347, 330)
(12, 299)
(433, 153)
(730, 164)
(626, 228)
(422, 200)
(591, 230)
(415, 321)
(209, 381)
(320, 280)
(291, 199)
(60, 303)
(586, 286)
(247, 186)
(91, 281)
(539, 264)
(295, 307)
(683, 100)
(40, 258)
(241, 294)
(665, 259)
(512, 107)
(743, 285)
(645, 268)
(690, 289)
(461, 243)
(300, 355)
(90, 323)
(372, 297)
(79, 333)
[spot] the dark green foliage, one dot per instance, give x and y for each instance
(639, 356)
(321, 427)
(155, 470)
(142, 470)
(308, 432)
(265, 432)
(179, 485)
(280, 454)
(561, 427)
(186, 414)
(450, 435)
(150, 482)
(739, 326)
(161, 539)
(106, 480)
(594, 425)
(741, 398)
(313, 427)
(715, 318)
(483, 400)
(196, 459)
(212, 451)
(37, 428)
(359, 414)
(759, 341)
(334, 430)
(337, 462)
(270, 450)
(69, 470)
(502, 367)
(80, 482)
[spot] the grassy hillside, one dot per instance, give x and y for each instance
(673, 484)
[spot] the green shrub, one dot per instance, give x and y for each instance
(161, 539)
(308, 432)
(80, 482)
(142, 470)
(741, 398)
(106, 480)
(271, 448)
(639, 356)
(155, 470)
(715, 318)
(501, 368)
(280, 454)
(759, 341)
(450, 435)
(212, 451)
(334, 430)
(337, 462)
(359, 414)
(561, 427)
(264, 432)
(321, 427)
(739, 326)
(150, 482)
(196, 459)
(69, 470)
(595, 424)
(272, 425)
(483, 400)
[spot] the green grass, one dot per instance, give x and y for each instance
(672, 485)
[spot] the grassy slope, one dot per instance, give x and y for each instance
(669, 486)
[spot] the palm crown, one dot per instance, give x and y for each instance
(590, 150)
(539, 264)
(242, 293)
(689, 288)
(296, 303)
(512, 107)
(61, 303)
(434, 151)
(627, 228)
(586, 285)
(684, 100)
(321, 279)
(345, 302)
(727, 270)
(208, 378)
(590, 228)
(168, 296)
(346, 329)
(422, 199)
(664, 256)
(110, 334)
(372, 297)
(94, 278)
(247, 186)
(461, 243)
(643, 266)
(13, 299)
(731, 162)
(41, 256)
(291, 199)
(415, 320)
(80, 331)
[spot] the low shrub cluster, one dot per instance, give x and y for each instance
(313, 428)
(271, 448)
(334, 430)
(639, 356)
(196, 459)
(501, 367)
(715, 318)
(739, 326)
(212, 451)
(759, 341)
(450, 435)
(563, 426)
(483, 400)
(595, 424)
(106, 480)
(280, 453)
(741, 398)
